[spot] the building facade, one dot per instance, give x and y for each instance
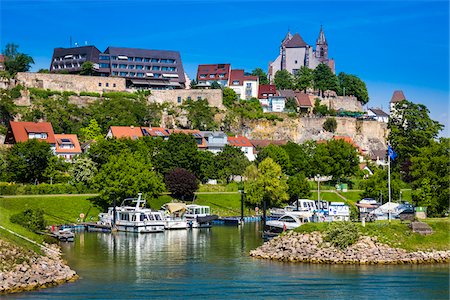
(142, 68)
(207, 74)
(245, 86)
(296, 53)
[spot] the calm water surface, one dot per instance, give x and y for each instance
(214, 263)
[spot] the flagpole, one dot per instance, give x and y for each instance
(389, 186)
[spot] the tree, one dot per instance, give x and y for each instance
(410, 129)
(87, 68)
(181, 183)
(8, 108)
(324, 79)
(270, 185)
(83, 170)
(231, 162)
(200, 115)
(330, 125)
(277, 154)
(15, 61)
(377, 185)
(283, 80)
(28, 161)
(193, 84)
(291, 105)
(319, 109)
(300, 160)
(215, 85)
(208, 166)
(352, 85)
(261, 75)
(298, 187)
(430, 171)
(91, 132)
(126, 175)
(303, 79)
(229, 97)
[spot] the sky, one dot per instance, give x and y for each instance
(391, 45)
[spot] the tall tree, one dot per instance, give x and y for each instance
(324, 79)
(330, 125)
(16, 61)
(8, 108)
(83, 170)
(229, 97)
(181, 183)
(278, 154)
(87, 68)
(261, 75)
(303, 79)
(300, 160)
(298, 187)
(231, 162)
(208, 166)
(352, 85)
(376, 186)
(283, 80)
(200, 115)
(91, 132)
(411, 128)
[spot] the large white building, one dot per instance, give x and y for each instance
(296, 53)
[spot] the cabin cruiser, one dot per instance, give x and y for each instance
(132, 216)
(288, 221)
(300, 206)
(174, 215)
(199, 216)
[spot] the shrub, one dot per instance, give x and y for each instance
(41, 93)
(342, 234)
(330, 125)
(32, 219)
(120, 95)
(90, 94)
(15, 91)
(69, 93)
(181, 183)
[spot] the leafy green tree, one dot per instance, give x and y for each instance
(3, 165)
(16, 61)
(324, 79)
(229, 97)
(277, 154)
(283, 80)
(330, 125)
(291, 105)
(376, 186)
(28, 161)
(215, 85)
(352, 85)
(87, 68)
(193, 84)
(208, 166)
(8, 108)
(200, 115)
(320, 109)
(181, 183)
(303, 79)
(411, 128)
(270, 185)
(300, 160)
(231, 162)
(56, 171)
(431, 177)
(126, 175)
(83, 170)
(261, 75)
(91, 132)
(298, 187)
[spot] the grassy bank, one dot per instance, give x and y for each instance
(397, 234)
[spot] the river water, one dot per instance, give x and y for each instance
(214, 263)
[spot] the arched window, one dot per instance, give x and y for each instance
(321, 52)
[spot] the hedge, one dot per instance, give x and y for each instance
(43, 188)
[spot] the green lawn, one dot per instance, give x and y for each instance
(397, 234)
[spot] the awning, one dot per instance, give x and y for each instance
(175, 207)
(170, 75)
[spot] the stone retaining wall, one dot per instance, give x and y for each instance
(296, 247)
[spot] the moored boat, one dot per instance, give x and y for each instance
(199, 216)
(174, 215)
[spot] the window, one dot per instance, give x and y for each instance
(140, 74)
(156, 75)
(138, 59)
(212, 75)
(132, 74)
(202, 76)
(123, 73)
(114, 57)
(104, 57)
(163, 60)
(114, 85)
(172, 69)
(221, 75)
(107, 84)
(139, 67)
(103, 65)
(122, 66)
(179, 99)
(130, 66)
(130, 58)
(165, 68)
(147, 67)
(156, 68)
(115, 73)
(114, 66)
(295, 62)
(155, 60)
(199, 98)
(189, 97)
(40, 135)
(99, 84)
(146, 59)
(249, 85)
(235, 82)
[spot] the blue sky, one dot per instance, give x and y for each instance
(389, 44)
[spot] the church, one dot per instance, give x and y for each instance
(295, 53)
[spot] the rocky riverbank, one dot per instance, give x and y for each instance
(310, 247)
(25, 270)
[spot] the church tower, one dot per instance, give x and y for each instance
(321, 47)
(286, 39)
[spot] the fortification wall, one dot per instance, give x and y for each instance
(177, 97)
(348, 103)
(76, 83)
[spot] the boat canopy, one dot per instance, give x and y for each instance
(175, 207)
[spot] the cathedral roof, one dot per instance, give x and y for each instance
(321, 40)
(397, 96)
(296, 42)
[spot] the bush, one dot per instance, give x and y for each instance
(69, 93)
(32, 219)
(41, 93)
(330, 125)
(15, 91)
(90, 94)
(181, 183)
(120, 95)
(342, 234)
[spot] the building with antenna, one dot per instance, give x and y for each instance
(296, 53)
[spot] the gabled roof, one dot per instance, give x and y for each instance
(201, 142)
(266, 89)
(265, 143)
(62, 139)
(398, 96)
(286, 93)
(239, 141)
(130, 132)
(379, 112)
(296, 42)
(155, 131)
(18, 131)
(240, 77)
(303, 99)
(215, 70)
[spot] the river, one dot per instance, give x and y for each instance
(214, 263)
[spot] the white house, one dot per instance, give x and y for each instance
(246, 86)
(378, 115)
(245, 145)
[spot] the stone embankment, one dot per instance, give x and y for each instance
(24, 270)
(297, 247)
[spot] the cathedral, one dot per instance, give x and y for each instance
(295, 53)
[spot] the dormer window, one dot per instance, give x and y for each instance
(37, 135)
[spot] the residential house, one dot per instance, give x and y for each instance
(378, 157)
(259, 144)
(130, 132)
(244, 144)
(207, 74)
(24, 131)
(67, 146)
(215, 140)
(156, 132)
(265, 91)
(378, 114)
(304, 103)
(245, 86)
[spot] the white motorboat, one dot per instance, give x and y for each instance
(199, 216)
(174, 215)
(133, 216)
(288, 221)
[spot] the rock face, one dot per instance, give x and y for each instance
(297, 247)
(24, 270)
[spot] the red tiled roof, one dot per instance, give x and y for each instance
(346, 139)
(19, 131)
(196, 133)
(240, 77)
(130, 132)
(239, 141)
(398, 96)
(303, 99)
(67, 138)
(268, 89)
(296, 42)
(213, 69)
(155, 131)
